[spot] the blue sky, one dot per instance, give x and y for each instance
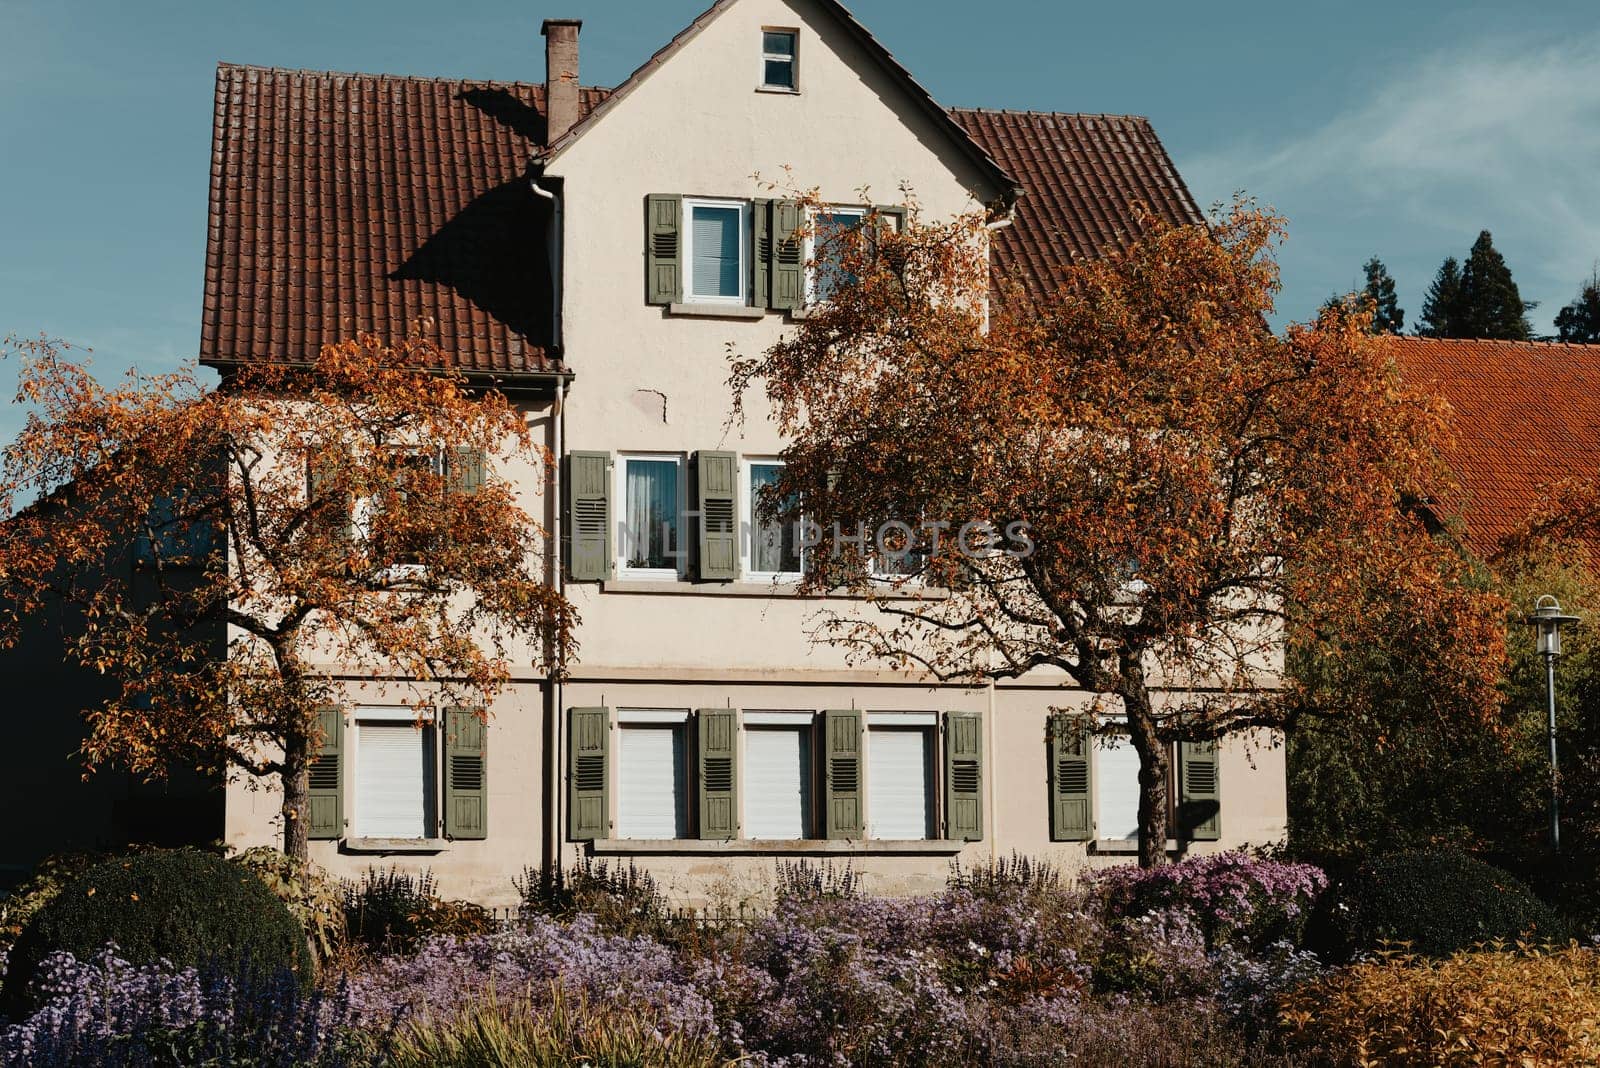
(1393, 129)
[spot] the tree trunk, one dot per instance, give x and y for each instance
(1154, 769)
(297, 796)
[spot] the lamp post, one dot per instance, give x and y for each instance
(1547, 618)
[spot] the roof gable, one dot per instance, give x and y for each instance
(1009, 188)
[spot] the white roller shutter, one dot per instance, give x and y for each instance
(899, 787)
(1116, 790)
(651, 799)
(391, 781)
(777, 776)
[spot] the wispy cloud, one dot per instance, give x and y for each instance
(1503, 136)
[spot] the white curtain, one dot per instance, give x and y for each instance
(652, 523)
(773, 547)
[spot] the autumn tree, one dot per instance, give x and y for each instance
(223, 553)
(1132, 485)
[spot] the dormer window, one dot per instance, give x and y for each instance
(778, 60)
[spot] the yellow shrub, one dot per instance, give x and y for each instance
(1495, 1006)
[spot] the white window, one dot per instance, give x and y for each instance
(777, 773)
(650, 539)
(899, 782)
(772, 549)
(394, 774)
(1116, 789)
(382, 520)
(830, 233)
(778, 55)
(652, 774)
(717, 252)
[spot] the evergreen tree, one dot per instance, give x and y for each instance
(1580, 320)
(1491, 307)
(1441, 308)
(1387, 315)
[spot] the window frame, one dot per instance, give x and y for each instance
(861, 212)
(686, 253)
(364, 512)
(431, 770)
(663, 719)
(749, 531)
(1097, 778)
(619, 494)
(792, 58)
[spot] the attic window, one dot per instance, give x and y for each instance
(778, 60)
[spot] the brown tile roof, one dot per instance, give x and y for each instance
(1526, 414)
(358, 202)
(1083, 175)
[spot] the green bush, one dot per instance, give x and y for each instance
(185, 906)
(1436, 900)
(39, 889)
(623, 900)
(313, 898)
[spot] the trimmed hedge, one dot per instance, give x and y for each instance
(188, 907)
(1437, 900)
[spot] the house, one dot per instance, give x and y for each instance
(593, 253)
(1526, 415)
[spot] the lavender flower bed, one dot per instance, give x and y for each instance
(1174, 966)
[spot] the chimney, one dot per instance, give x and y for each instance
(560, 76)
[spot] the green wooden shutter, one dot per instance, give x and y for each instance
(663, 248)
(718, 740)
(788, 261)
(761, 253)
(841, 742)
(337, 519)
(589, 516)
(327, 776)
(464, 471)
(963, 756)
(466, 774)
(717, 477)
(1070, 779)
(1199, 792)
(588, 776)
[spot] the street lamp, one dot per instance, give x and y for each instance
(1548, 619)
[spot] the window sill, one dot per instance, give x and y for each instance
(780, 90)
(394, 845)
(777, 847)
(717, 311)
(1117, 847)
(755, 589)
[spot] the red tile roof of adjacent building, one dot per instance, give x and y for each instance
(1526, 414)
(343, 203)
(1085, 178)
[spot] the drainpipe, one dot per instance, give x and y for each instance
(555, 715)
